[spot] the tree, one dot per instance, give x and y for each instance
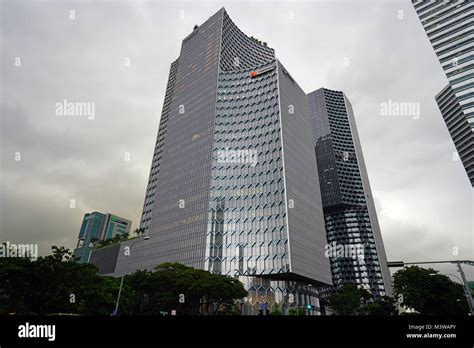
(15, 283)
(58, 284)
(172, 286)
(429, 293)
(218, 291)
(349, 300)
(114, 240)
(382, 305)
(138, 232)
(276, 310)
(54, 284)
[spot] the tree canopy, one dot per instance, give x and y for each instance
(54, 284)
(58, 284)
(350, 300)
(172, 286)
(428, 292)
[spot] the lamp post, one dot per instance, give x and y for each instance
(91, 246)
(145, 237)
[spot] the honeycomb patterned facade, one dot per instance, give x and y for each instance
(247, 233)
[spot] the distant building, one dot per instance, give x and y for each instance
(97, 227)
(356, 249)
(449, 26)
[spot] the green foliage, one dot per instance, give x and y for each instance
(470, 284)
(230, 310)
(111, 241)
(429, 293)
(138, 232)
(297, 311)
(276, 310)
(54, 284)
(58, 284)
(382, 305)
(349, 300)
(184, 289)
(15, 283)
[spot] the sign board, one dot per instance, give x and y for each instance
(255, 73)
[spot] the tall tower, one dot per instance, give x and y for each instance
(232, 187)
(450, 29)
(356, 248)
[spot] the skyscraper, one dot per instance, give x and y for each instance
(355, 246)
(97, 227)
(450, 29)
(233, 187)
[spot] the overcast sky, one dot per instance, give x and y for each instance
(374, 51)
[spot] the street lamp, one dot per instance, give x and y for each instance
(448, 274)
(91, 246)
(115, 312)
